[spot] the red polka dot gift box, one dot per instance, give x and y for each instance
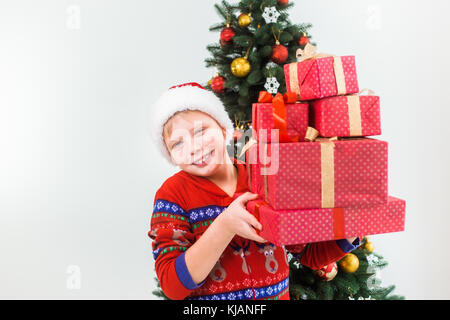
(263, 124)
(279, 118)
(321, 174)
(346, 116)
(290, 227)
(319, 78)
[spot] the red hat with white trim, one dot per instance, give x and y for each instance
(188, 96)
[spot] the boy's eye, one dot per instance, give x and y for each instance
(176, 144)
(200, 130)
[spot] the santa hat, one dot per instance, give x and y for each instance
(188, 96)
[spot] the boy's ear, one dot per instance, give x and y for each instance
(224, 131)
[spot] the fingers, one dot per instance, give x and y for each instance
(247, 197)
(258, 238)
(251, 219)
(251, 234)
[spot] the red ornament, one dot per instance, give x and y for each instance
(226, 36)
(279, 54)
(218, 84)
(283, 2)
(303, 40)
(327, 273)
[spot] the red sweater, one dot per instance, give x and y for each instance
(184, 206)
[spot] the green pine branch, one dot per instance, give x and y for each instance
(362, 284)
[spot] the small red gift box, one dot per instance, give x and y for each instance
(290, 227)
(320, 75)
(279, 119)
(321, 174)
(347, 116)
(263, 121)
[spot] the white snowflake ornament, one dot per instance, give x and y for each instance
(270, 14)
(272, 85)
(271, 65)
(372, 259)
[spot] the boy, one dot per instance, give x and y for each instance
(205, 244)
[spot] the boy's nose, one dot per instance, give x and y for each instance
(197, 151)
(198, 146)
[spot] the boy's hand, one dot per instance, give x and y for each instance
(237, 220)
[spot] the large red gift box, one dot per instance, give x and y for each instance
(290, 227)
(322, 77)
(321, 174)
(347, 116)
(263, 121)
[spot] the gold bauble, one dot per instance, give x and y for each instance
(368, 246)
(349, 263)
(240, 67)
(244, 20)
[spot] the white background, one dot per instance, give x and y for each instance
(78, 171)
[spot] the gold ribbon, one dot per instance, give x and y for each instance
(339, 74)
(368, 91)
(293, 78)
(311, 134)
(354, 112)
(327, 173)
(326, 166)
(354, 115)
(309, 53)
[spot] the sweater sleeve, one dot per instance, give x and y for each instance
(319, 254)
(172, 235)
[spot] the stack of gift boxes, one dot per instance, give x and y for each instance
(318, 175)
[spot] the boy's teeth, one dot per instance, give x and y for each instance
(203, 159)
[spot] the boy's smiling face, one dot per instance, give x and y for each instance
(195, 142)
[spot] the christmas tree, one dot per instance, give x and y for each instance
(256, 40)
